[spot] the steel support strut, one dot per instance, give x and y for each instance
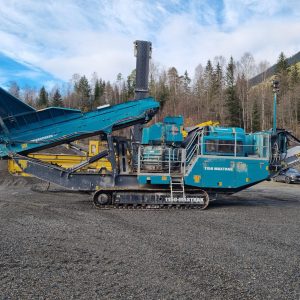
(112, 156)
(89, 161)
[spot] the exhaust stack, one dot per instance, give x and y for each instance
(142, 52)
(275, 91)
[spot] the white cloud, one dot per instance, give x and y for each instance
(238, 12)
(66, 37)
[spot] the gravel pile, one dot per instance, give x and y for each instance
(56, 245)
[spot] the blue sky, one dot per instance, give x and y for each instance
(44, 42)
(24, 73)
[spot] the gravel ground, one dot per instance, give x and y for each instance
(56, 245)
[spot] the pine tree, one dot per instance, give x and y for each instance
(43, 101)
(218, 77)
(208, 75)
(232, 101)
(163, 94)
(217, 92)
(57, 99)
(83, 90)
(102, 86)
(131, 85)
(97, 94)
(255, 117)
(282, 64)
(186, 82)
(162, 90)
(282, 72)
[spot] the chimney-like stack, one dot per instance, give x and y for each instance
(142, 52)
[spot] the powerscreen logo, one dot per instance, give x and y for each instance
(218, 169)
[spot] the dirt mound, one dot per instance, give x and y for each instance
(8, 180)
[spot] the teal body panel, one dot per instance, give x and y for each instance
(170, 132)
(226, 172)
(218, 137)
(154, 133)
(211, 172)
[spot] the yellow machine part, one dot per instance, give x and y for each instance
(65, 160)
(96, 147)
(208, 123)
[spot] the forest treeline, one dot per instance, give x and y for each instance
(219, 91)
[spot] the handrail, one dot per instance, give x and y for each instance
(192, 152)
(191, 148)
(192, 140)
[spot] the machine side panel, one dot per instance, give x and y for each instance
(226, 172)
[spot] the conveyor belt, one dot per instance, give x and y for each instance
(33, 130)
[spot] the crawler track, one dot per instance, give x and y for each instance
(149, 199)
(149, 206)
